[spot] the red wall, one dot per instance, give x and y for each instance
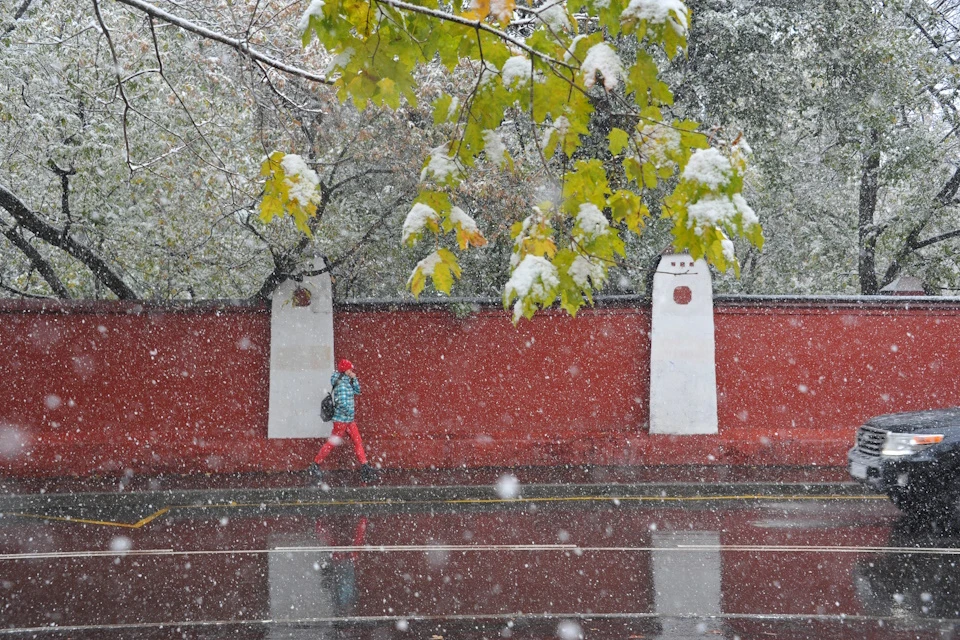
(810, 373)
(478, 391)
(105, 387)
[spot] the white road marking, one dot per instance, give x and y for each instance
(894, 622)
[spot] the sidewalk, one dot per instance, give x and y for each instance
(398, 485)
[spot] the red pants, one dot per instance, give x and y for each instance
(339, 429)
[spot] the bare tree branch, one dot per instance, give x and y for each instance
(284, 264)
(867, 206)
(949, 190)
(22, 294)
(938, 46)
(243, 47)
(186, 110)
(116, 67)
(293, 103)
(940, 238)
(331, 265)
(64, 194)
(476, 24)
(362, 174)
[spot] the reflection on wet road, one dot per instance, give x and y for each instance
(603, 568)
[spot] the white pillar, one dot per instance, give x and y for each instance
(683, 376)
(301, 357)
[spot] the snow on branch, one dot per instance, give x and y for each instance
(243, 47)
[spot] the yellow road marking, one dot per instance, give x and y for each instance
(239, 505)
(76, 520)
(151, 518)
(105, 523)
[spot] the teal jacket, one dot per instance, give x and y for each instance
(343, 397)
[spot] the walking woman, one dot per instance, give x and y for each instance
(346, 386)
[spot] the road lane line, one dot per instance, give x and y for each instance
(61, 555)
(893, 621)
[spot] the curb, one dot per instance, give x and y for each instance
(399, 497)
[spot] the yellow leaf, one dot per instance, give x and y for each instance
(418, 280)
(442, 278)
(269, 208)
(636, 219)
(649, 175)
(357, 12)
(479, 9)
(540, 247)
(450, 260)
(505, 8)
(467, 238)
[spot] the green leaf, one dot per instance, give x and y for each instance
(387, 93)
(660, 93)
(619, 139)
(361, 89)
(649, 175)
(436, 200)
(549, 97)
(633, 169)
(495, 50)
(609, 13)
(627, 208)
(387, 45)
(640, 77)
(546, 41)
(673, 42)
(586, 183)
(441, 108)
(444, 270)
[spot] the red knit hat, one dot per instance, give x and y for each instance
(344, 365)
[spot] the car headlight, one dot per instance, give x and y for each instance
(903, 444)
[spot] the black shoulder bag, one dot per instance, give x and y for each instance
(328, 406)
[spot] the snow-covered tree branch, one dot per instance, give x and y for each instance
(464, 127)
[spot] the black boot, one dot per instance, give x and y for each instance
(369, 473)
(315, 472)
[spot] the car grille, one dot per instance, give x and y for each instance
(870, 440)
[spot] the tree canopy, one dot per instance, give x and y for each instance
(544, 151)
(543, 70)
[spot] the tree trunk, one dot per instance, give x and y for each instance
(869, 186)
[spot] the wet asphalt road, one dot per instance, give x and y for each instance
(586, 566)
